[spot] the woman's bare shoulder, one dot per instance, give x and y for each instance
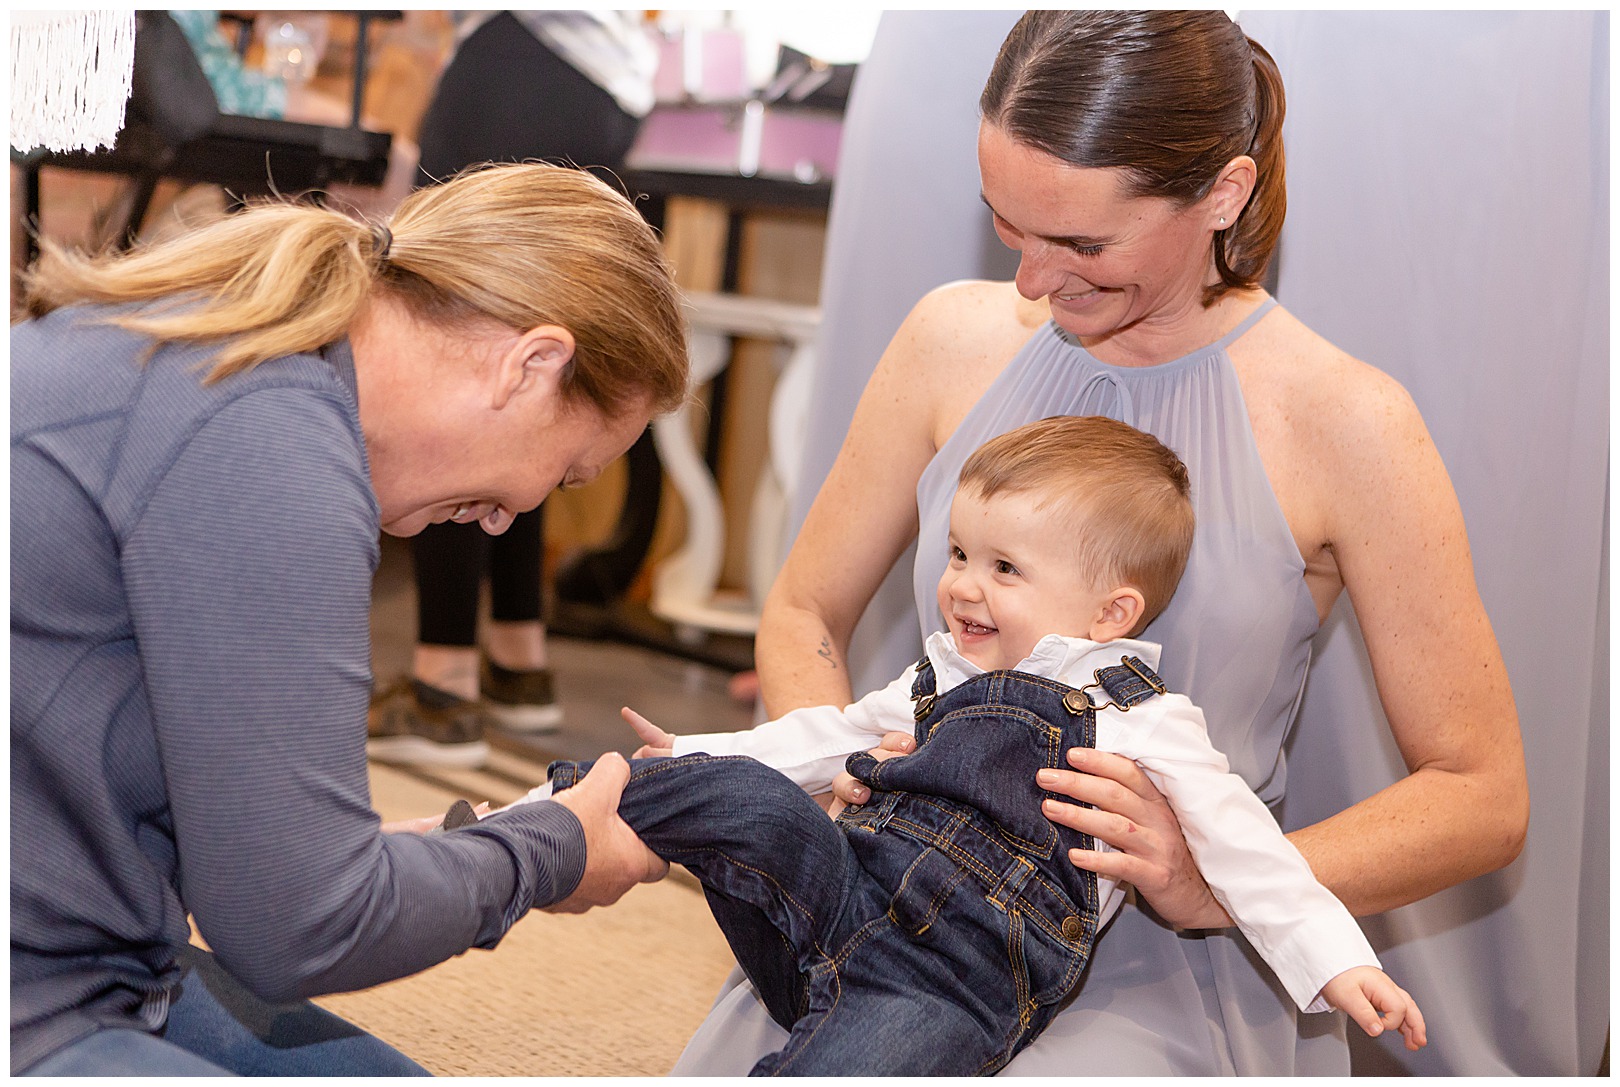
(979, 308)
(958, 328)
(1338, 411)
(947, 352)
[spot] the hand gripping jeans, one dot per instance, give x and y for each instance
(933, 930)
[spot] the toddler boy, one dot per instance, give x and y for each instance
(936, 928)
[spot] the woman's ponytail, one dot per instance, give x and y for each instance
(1244, 250)
(518, 245)
(275, 280)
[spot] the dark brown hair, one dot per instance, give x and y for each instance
(1170, 97)
(1125, 495)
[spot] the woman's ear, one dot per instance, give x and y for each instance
(1230, 193)
(1119, 614)
(535, 360)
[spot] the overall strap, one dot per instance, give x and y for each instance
(1127, 683)
(922, 689)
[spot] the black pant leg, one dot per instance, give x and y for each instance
(449, 567)
(516, 556)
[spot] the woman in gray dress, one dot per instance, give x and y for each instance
(1143, 229)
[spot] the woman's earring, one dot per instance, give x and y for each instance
(1223, 220)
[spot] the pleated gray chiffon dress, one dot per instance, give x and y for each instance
(1237, 641)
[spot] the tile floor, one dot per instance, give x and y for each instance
(594, 678)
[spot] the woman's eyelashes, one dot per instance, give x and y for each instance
(1014, 238)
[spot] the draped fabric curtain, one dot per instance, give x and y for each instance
(1448, 223)
(906, 217)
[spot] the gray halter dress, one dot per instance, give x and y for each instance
(1237, 641)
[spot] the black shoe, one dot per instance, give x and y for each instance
(521, 701)
(413, 724)
(461, 814)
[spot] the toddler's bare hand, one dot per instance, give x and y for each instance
(655, 741)
(847, 790)
(1377, 1004)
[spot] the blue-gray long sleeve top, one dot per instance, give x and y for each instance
(191, 572)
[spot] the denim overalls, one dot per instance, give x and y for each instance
(930, 931)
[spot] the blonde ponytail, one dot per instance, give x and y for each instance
(521, 245)
(273, 280)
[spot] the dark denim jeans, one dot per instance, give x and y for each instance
(933, 930)
(217, 1028)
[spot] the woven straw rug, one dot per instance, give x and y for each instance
(614, 992)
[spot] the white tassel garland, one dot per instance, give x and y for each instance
(70, 77)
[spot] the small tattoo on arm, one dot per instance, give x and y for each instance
(826, 654)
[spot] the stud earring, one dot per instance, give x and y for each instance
(1223, 220)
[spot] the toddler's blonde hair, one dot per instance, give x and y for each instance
(1125, 496)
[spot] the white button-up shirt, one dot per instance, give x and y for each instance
(1304, 933)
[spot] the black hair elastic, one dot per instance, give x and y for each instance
(382, 239)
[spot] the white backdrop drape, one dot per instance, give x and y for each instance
(1448, 222)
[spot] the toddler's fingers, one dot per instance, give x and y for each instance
(1413, 1029)
(650, 733)
(1396, 1018)
(1361, 1010)
(1399, 1012)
